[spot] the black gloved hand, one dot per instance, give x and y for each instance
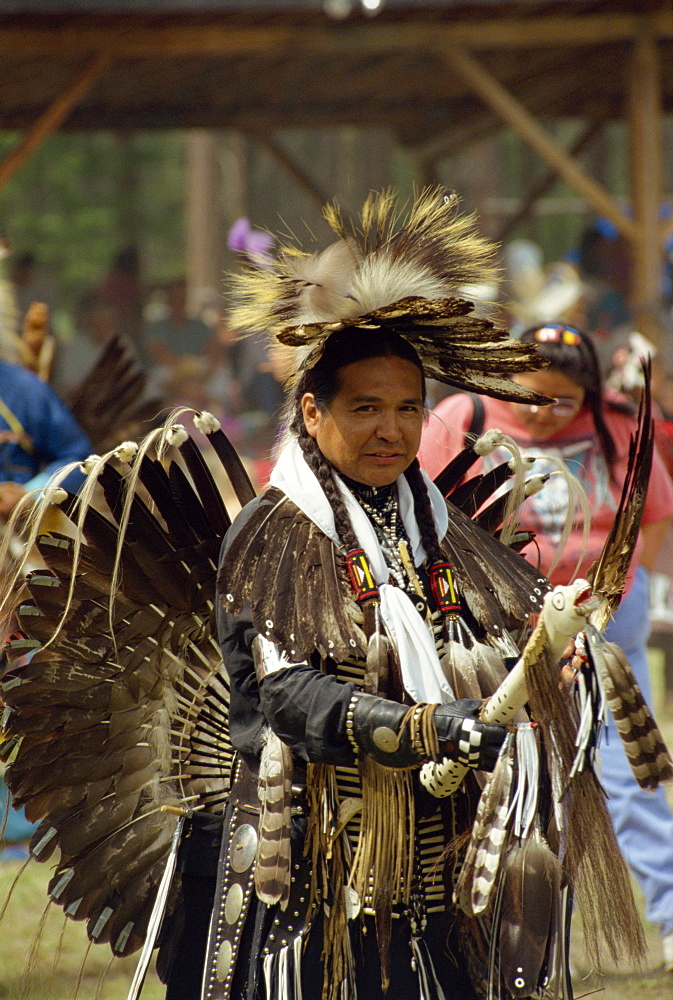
(375, 728)
(464, 738)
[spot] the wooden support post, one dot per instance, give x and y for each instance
(294, 170)
(203, 218)
(50, 120)
(667, 231)
(426, 172)
(644, 107)
(547, 182)
(522, 122)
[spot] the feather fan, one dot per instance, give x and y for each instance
(107, 404)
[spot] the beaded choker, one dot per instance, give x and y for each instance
(375, 496)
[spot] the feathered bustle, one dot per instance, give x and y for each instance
(122, 709)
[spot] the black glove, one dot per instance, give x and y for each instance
(374, 725)
(464, 738)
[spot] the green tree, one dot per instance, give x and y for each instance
(83, 196)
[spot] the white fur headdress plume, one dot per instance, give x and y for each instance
(397, 271)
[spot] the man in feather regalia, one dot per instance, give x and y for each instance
(352, 604)
(393, 821)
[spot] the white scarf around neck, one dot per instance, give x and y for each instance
(422, 673)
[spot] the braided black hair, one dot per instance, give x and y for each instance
(423, 512)
(322, 470)
(578, 362)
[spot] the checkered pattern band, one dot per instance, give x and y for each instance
(469, 744)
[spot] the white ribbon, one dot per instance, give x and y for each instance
(422, 673)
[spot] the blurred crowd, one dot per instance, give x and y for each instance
(191, 358)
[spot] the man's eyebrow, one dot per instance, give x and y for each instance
(379, 399)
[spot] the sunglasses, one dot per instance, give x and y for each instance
(564, 406)
(558, 334)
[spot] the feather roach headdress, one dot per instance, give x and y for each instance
(398, 271)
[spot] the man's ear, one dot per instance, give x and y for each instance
(311, 414)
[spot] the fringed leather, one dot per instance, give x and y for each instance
(326, 846)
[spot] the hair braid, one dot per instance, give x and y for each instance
(423, 512)
(322, 470)
(604, 436)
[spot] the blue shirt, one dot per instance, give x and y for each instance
(38, 434)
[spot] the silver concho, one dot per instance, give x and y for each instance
(385, 739)
(243, 847)
(223, 961)
(233, 903)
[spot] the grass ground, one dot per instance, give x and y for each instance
(79, 975)
(650, 982)
(61, 968)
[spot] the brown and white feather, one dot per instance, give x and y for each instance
(272, 868)
(479, 871)
(643, 743)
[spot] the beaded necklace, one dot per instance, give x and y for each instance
(381, 507)
(380, 504)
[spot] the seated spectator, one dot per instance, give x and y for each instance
(178, 334)
(76, 356)
(38, 436)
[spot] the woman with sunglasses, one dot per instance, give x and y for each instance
(589, 430)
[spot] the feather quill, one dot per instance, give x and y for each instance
(272, 869)
(608, 575)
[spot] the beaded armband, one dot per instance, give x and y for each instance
(417, 743)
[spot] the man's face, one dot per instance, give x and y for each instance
(372, 429)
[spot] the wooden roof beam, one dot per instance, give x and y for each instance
(453, 140)
(524, 124)
(646, 149)
(289, 164)
(185, 39)
(548, 181)
(49, 121)
(552, 92)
